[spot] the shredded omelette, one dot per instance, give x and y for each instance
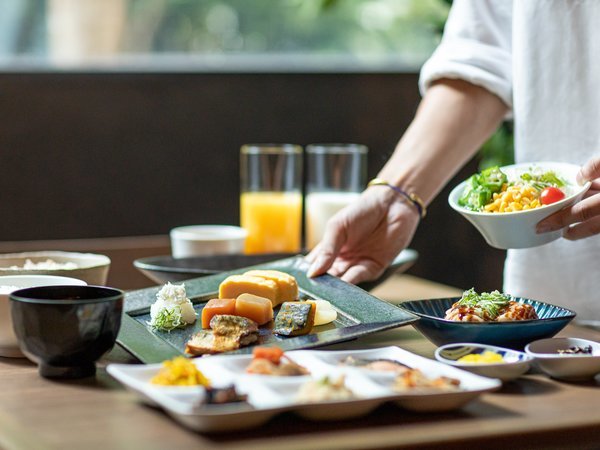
(180, 371)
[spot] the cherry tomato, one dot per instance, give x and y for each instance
(551, 195)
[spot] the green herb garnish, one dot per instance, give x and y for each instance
(486, 304)
(168, 319)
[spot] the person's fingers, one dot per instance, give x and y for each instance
(583, 230)
(592, 191)
(589, 171)
(329, 247)
(313, 253)
(582, 211)
(363, 271)
(595, 186)
(339, 267)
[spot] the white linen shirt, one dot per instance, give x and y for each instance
(542, 58)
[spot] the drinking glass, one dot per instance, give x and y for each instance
(271, 197)
(336, 175)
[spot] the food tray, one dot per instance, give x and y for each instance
(271, 395)
(359, 313)
(161, 269)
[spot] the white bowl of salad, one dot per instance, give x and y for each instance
(506, 203)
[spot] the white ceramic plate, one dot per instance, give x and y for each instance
(515, 363)
(268, 395)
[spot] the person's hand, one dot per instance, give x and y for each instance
(585, 214)
(362, 239)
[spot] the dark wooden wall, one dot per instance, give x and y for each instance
(87, 155)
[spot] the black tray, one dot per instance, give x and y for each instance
(359, 313)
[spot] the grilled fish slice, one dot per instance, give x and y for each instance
(295, 318)
(227, 325)
(228, 333)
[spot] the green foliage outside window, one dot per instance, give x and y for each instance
(499, 150)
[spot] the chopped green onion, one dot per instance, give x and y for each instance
(168, 319)
(489, 303)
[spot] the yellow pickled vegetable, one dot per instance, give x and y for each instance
(325, 312)
(487, 357)
(180, 371)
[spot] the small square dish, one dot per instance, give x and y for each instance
(566, 358)
(332, 391)
(486, 360)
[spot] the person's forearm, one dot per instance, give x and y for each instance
(452, 121)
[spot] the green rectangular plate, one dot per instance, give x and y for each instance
(359, 313)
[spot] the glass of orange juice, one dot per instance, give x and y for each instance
(271, 197)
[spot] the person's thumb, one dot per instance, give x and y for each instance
(328, 249)
(589, 171)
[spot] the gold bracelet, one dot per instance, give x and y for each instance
(412, 197)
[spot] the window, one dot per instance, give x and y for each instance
(247, 35)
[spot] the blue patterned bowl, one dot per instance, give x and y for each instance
(515, 335)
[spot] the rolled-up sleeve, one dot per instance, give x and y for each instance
(476, 47)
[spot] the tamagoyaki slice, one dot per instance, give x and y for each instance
(286, 284)
(235, 285)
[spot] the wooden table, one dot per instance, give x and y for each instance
(96, 413)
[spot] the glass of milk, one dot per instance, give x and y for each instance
(335, 176)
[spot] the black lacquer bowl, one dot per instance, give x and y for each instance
(66, 329)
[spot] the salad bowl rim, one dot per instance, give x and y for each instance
(457, 190)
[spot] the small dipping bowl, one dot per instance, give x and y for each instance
(66, 329)
(565, 366)
(515, 363)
